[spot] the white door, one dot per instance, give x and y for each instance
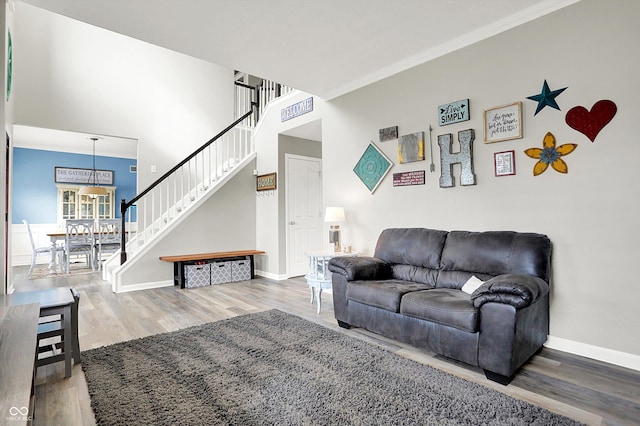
(304, 211)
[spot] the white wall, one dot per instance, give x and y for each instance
(270, 225)
(73, 76)
(590, 214)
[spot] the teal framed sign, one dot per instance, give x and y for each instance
(372, 167)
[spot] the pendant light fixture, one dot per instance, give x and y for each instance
(93, 190)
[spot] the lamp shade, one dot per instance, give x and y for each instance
(334, 214)
(92, 191)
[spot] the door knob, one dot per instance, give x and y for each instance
(292, 223)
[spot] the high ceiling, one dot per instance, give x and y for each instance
(323, 47)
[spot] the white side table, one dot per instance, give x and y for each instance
(319, 276)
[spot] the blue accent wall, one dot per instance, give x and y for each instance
(34, 189)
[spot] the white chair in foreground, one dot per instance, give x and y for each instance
(108, 239)
(79, 240)
(35, 251)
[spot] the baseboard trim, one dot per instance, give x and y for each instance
(271, 276)
(144, 286)
(622, 359)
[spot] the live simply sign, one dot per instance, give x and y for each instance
(297, 109)
(453, 112)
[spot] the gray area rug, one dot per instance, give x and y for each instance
(274, 368)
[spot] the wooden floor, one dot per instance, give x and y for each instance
(589, 391)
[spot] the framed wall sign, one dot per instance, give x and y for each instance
(454, 112)
(409, 178)
(372, 167)
(504, 163)
(388, 133)
(296, 110)
(266, 182)
(411, 148)
(85, 176)
(503, 123)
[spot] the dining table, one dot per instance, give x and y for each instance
(54, 237)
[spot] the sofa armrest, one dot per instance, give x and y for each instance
(360, 268)
(517, 290)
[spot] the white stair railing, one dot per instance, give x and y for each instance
(260, 95)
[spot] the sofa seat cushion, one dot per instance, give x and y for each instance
(444, 306)
(385, 294)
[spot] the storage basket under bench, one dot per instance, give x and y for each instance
(199, 270)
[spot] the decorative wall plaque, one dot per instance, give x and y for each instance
(411, 148)
(409, 178)
(464, 157)
(372, 167)
(589, 123)
(388, 133)
(297, 109)
(550, 155)
(73, 175)
(454, 112)
(503, 123)
(546, 97)
(266, 182)
(504, 163)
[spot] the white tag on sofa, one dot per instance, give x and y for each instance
(472, 284)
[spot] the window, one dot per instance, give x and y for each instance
(72, 205)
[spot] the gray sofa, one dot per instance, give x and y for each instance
(411, 291)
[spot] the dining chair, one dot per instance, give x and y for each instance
(108, 238)
(35, 251)
(79, 240)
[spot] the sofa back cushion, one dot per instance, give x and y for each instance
(492, 253)
(413, 253)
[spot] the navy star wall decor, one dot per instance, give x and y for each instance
(546, 98)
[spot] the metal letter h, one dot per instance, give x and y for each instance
(464, 157)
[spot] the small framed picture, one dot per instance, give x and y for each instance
(504, 163)
(388, 133)
(503, 123)
(266, 182)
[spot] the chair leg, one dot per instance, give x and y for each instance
(61, 260)
(98, 258)
(74, 326)
(33, 264)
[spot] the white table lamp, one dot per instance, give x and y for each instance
(333, 215)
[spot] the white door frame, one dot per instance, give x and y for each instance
(286, 202)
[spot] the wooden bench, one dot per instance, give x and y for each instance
(180, 261)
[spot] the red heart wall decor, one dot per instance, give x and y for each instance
(591, 122)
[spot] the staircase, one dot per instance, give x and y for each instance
(169, 201)
(174, 196)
